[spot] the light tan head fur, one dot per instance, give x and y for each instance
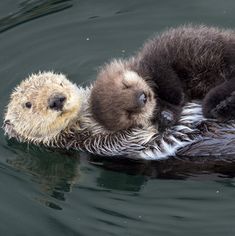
(37, 122)
(115, 102)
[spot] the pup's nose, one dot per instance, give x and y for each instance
(56, 102)
(141, 98)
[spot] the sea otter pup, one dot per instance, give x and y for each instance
(179, 65)
(47, 109)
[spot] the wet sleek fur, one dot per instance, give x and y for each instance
(181, 64)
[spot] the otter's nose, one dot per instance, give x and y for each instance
(56, 102)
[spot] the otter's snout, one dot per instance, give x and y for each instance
(56, 102)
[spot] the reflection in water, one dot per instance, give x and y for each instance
(55, 173)
(120, 180)
(31, 9)
(172, 168)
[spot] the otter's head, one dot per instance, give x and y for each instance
(41, 107)
(121, 99)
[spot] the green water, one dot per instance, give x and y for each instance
(70, 193)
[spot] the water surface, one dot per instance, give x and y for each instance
(45, 192)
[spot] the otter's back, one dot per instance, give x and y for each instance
(192, 47)
(198, 54)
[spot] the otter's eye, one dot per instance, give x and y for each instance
(28, 104)
(142, 99)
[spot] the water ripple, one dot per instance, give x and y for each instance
(32, 9)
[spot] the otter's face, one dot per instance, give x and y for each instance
(122, 99)
(41, 107)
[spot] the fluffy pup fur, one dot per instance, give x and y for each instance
(119, 98)
(179, 65)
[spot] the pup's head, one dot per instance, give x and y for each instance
(121, 99)
(41, 107)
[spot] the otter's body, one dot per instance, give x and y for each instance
(190, 59)
(47, 109)
(190, 62)
(68, 123)
(187, 62)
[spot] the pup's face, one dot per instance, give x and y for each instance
(41, 107)
(122, 99)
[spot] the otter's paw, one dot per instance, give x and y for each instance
(225, 110)
(166, 120)
(167, 117)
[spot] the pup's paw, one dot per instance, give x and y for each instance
(225, 110)
(167, 117)
(166, 120)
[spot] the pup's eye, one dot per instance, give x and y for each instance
(125, 86)
(142, 99)
(28, 104)
(61, 84)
